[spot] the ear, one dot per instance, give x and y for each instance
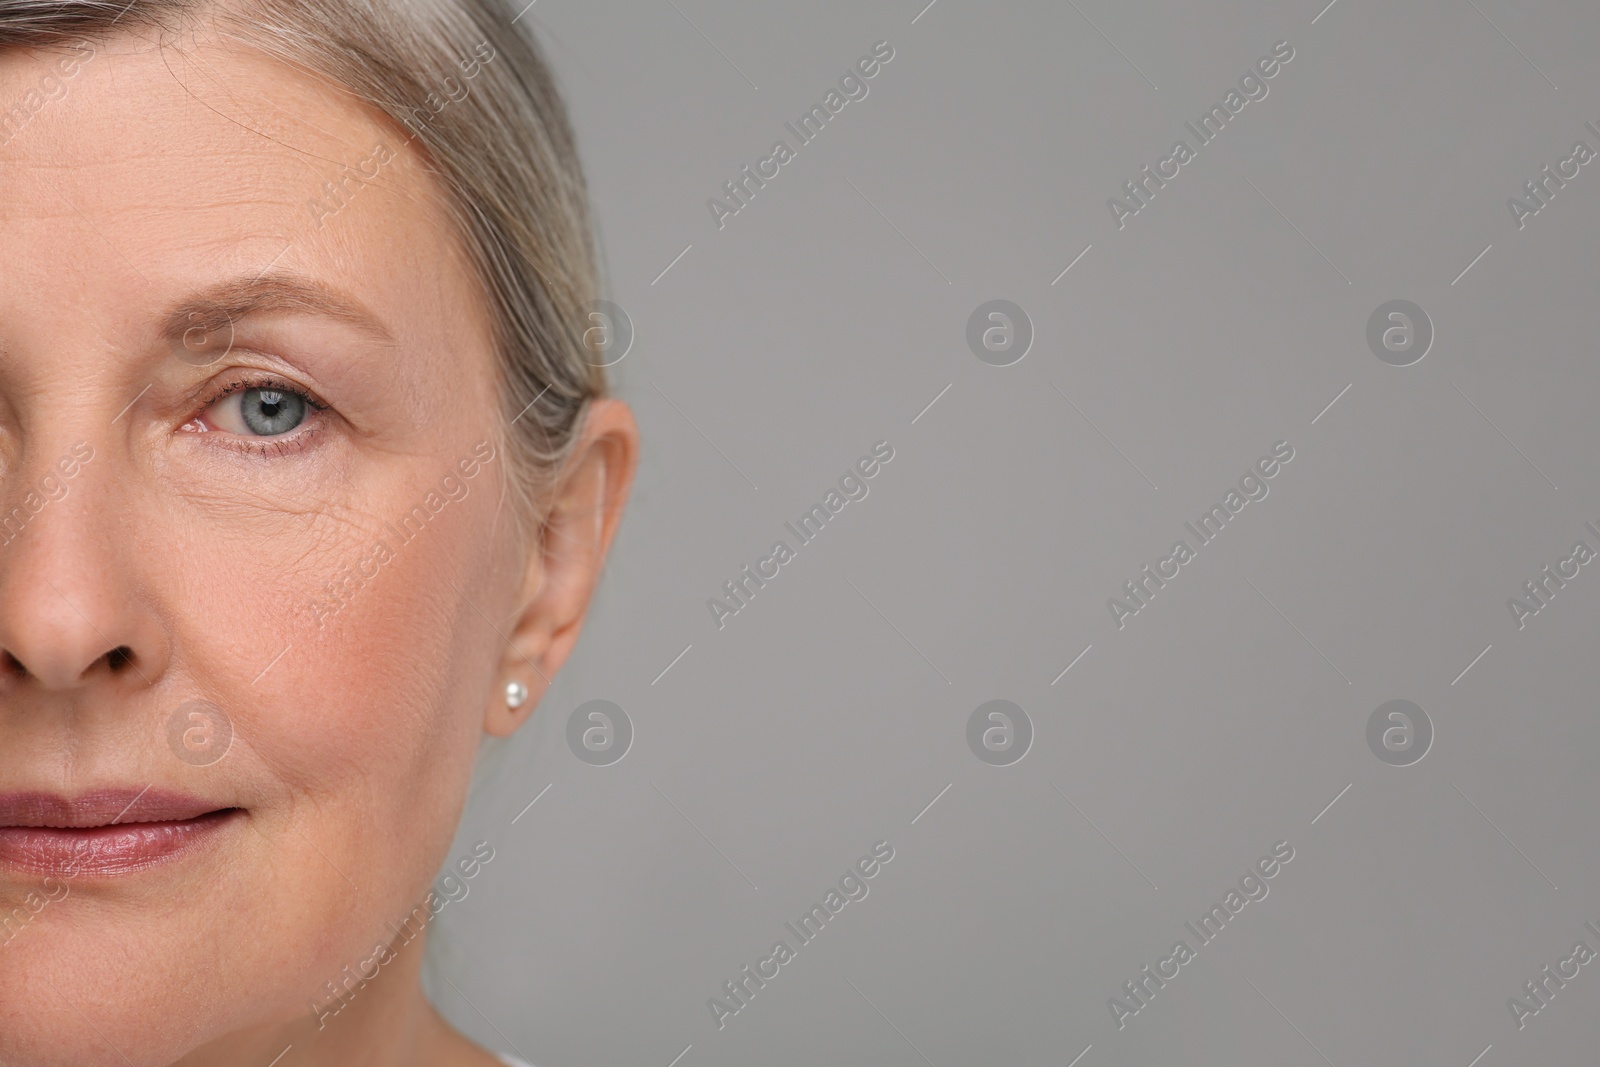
(565, 558)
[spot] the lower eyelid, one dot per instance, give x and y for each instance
(296, 440)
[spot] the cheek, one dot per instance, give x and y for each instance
(378, 706)
(356, 743)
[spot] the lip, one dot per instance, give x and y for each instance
(105, 832)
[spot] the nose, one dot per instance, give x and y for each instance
(72, 608)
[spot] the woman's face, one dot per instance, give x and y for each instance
(250, 482)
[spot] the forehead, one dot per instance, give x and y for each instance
(136, 171)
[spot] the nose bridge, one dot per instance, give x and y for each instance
(71, 601)
(40, 481)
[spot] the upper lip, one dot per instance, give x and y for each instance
(101, 807)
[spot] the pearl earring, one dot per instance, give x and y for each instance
(516, 694)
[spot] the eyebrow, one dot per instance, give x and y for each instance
(219, 306)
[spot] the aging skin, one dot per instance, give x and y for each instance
(264, 398)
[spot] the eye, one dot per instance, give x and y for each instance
(259, 411)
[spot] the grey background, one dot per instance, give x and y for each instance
(1223, 718)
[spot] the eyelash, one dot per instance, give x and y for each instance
(295, 441)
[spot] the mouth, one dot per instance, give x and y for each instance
(104, 833)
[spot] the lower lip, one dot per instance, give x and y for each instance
(106, 850)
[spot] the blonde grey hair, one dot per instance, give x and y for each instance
(497, 141)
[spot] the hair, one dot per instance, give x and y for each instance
(502, 151)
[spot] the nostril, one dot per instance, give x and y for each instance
(116, 660)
